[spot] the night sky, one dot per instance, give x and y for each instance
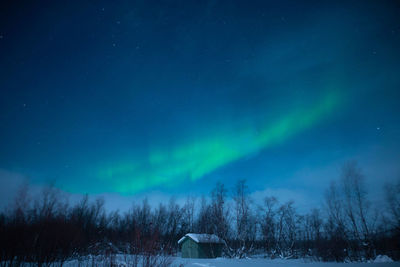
(142, 98)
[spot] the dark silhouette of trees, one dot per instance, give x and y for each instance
(45, 228)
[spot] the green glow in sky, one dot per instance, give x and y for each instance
(195, 159)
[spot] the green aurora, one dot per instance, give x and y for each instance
(194, 160)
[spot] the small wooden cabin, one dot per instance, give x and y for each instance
(201, 246)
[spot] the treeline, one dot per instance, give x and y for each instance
(46, 228)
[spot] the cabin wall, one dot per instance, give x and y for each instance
(191, 249)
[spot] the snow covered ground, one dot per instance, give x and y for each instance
(222, 262)
(126, 261)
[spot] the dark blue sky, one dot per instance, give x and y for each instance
(137, 97)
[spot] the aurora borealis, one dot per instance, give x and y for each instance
(136, 97)
(196, 159)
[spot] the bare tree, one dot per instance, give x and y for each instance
(159, 219)
(188, 214)
(286, 229)
(22, 201)
(245, 225)
(316, 224)
(357, 206)
(393, 203)
(334, 206)
(173, 222)
(219, 211)
(204, 220)
(268, 224)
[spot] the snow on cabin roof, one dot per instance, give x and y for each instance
(203, 238)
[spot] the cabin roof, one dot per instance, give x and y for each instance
(202, 238)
